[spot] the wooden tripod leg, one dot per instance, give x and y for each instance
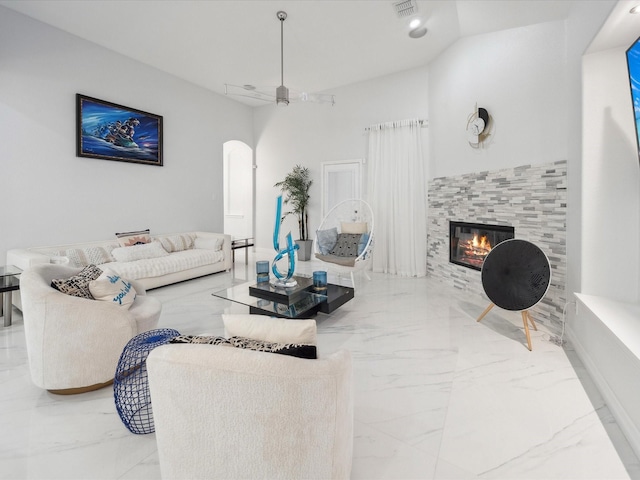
(533, 324)
(525, 320)
(486, 310)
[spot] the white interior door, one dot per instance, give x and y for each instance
(341, 180)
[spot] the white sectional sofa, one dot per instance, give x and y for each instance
(182, 257)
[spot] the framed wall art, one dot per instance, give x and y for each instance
(109, 131)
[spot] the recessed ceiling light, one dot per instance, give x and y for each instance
(635, 9)
(418, 32)
(414, 23)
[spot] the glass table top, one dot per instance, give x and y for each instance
(9, 270)
(305, 303)
(9, 278)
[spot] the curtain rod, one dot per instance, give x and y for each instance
(424, 123)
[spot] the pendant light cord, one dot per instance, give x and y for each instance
(281, 51)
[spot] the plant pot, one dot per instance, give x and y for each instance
(304, 250)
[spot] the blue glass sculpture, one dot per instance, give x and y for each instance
(281, 280)
(130, 386)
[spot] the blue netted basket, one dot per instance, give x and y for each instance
(130, 385)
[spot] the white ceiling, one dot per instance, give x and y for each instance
(327, 43)
(621, 29)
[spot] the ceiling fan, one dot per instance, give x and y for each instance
(283, 95)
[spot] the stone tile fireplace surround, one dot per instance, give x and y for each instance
(530, 198)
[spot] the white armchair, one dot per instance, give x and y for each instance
(221, 413)
(73, 343)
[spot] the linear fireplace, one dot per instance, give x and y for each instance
(471, 242)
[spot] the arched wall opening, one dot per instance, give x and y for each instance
(238, 189)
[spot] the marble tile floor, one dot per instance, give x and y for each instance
(437, 395)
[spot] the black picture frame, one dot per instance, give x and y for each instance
(109, 131)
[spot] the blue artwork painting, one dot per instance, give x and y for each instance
(113, 132)
(633, 63)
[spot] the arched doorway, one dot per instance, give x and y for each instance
(238, 189)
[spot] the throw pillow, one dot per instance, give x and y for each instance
(270, 329)
(327, 240)
(206, 339)
(209, 243)
(78, 285)
(109, 287)
(176, 243)
(59, 260)
(354, 227)
(139, 252)
(347, 245)
(81, 257)
(292, 349)
(363, 243)
(126, 239)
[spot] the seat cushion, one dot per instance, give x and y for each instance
(344, 261)
(139, 252)
(165, 265)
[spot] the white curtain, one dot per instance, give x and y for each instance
(397, 193)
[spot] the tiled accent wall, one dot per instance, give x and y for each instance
(531, 198)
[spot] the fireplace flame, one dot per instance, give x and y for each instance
(482, 243)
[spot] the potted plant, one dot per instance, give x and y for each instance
(295, 187)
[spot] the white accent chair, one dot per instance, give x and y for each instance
(73, 344)
(222, 412)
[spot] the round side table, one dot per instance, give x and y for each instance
(130, 385)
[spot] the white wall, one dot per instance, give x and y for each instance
(603, 328)
(518, 75)
(309, 134)
(585, 20)
(610, 181)
(530, 80)
(50, 196)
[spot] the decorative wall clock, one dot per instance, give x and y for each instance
(478, 127)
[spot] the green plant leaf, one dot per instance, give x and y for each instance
(295, 188)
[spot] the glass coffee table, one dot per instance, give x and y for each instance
(9, 282)
(301, 301)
